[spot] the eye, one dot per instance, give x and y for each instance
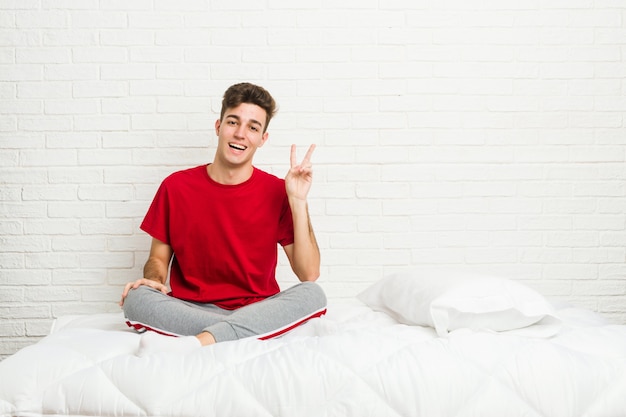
(254, 128)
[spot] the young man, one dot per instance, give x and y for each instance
(219, 226)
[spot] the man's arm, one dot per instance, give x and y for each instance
(155, 269)
(158, 262)
(303, 254)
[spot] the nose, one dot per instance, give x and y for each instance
(239, 132)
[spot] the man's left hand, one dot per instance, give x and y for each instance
(300, 176)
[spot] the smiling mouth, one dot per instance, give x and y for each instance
(237, 147)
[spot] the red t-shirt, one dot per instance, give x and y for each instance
(224, 237)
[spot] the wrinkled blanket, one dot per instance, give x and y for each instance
(352, 362)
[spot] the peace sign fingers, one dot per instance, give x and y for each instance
(300, 176)
(306, 162)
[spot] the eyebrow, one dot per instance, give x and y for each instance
(234, 116)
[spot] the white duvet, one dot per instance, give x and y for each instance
(352, 362)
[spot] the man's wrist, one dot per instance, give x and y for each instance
(296, 202)
(157, 280)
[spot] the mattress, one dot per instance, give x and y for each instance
(355, 361)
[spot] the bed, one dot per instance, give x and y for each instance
(409, 345)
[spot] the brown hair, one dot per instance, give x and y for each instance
(249, 93)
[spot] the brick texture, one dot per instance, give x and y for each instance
(489, 136)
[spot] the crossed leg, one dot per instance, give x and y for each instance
(149, 309)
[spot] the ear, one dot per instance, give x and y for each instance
(218, 122)
(264, 138)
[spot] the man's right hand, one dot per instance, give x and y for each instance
(142, 281)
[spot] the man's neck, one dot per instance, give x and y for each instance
(229, 176)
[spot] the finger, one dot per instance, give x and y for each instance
(294, 162)
(307, 157)
(305, 168)
(125, 293)
(131, 285)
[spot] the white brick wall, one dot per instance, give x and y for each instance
(484, 135)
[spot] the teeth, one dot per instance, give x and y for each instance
(238, 147)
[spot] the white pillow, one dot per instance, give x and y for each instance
(449, 301)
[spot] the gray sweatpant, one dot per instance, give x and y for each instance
(148, 309)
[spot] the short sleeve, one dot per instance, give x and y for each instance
(285, 226)
(157, 219)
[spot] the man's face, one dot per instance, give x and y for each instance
(240, 133)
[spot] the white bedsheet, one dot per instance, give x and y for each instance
(352, 362)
